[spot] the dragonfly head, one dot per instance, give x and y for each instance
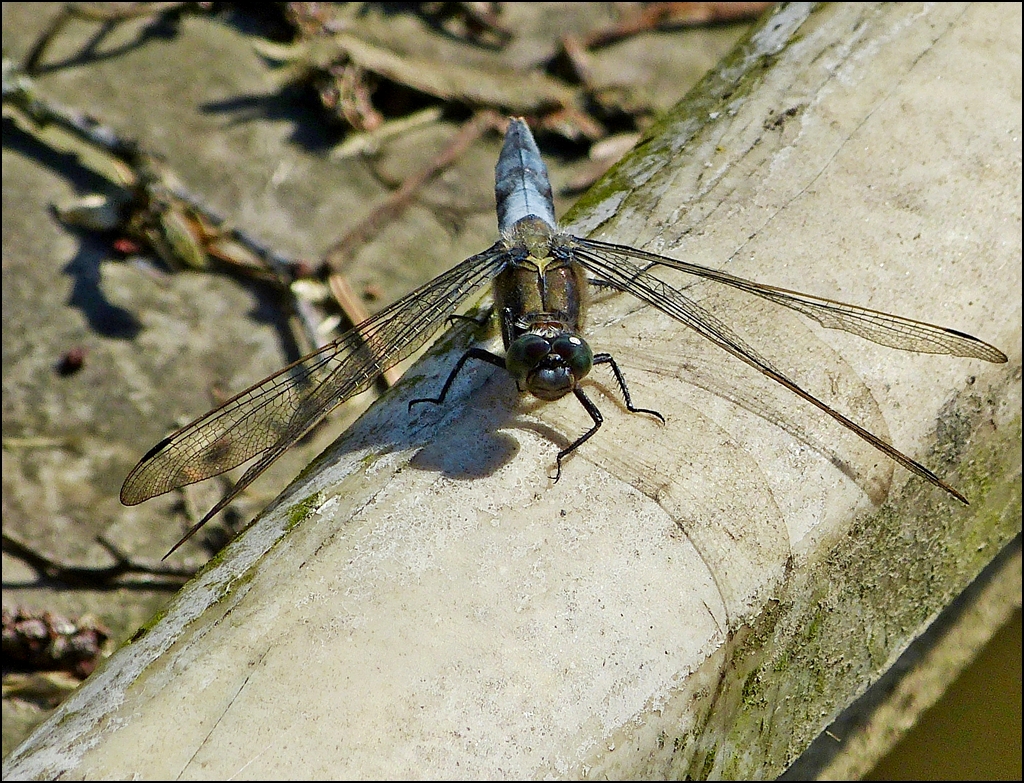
(548, 366)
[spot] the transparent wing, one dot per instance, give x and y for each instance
(612, 264)
(893, 331)
(271, 416)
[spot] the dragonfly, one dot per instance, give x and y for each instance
(540, 276)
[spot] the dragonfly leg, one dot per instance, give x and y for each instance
(606, 358)
(473, 353)
(595, 414)
(477, 322)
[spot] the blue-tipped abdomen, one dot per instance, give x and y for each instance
(521, 185)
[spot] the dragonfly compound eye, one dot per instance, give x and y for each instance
(575, 352)
(524, 354)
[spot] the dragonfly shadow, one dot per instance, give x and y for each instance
(461, 438)
(739, 393)
(467, 456)
(681, 365)
(472, 441)
(479, 439)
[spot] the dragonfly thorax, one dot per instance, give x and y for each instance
(548, 363)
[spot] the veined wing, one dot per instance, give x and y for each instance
(612, 265)
(893, 331)
(271, 416)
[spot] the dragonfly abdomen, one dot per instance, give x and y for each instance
(521, 184)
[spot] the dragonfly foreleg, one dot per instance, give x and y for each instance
(595, 414)
(606, 358)
(472, 353)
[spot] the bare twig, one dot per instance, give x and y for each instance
(477, 22)
(152, 572)
(668, 16)
(339, 254)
